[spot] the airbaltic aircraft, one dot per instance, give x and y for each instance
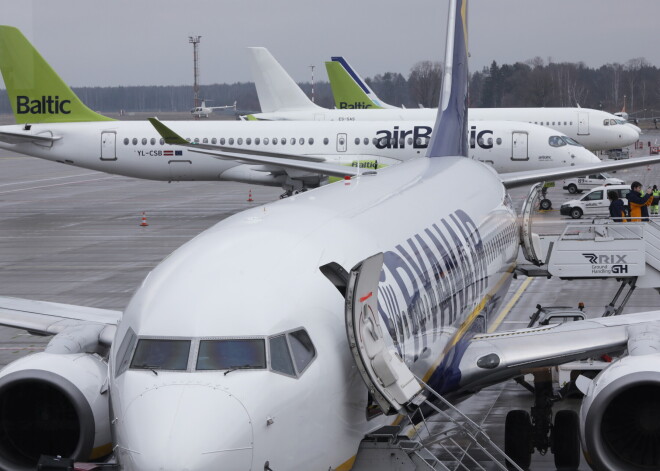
(234, 351)
(281, 99)
(54, 124)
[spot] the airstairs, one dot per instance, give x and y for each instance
(450, 441)
(594, 249)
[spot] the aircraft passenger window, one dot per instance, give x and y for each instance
(374, 141)
(157, 354)
(265, 140)
(325, 141)
(402, 142)
(214, 141)
(239, 141)
(257, 140)
(490, 141)
(553, 123)
(222, 141)
(205, 140)
(228, 354)
(152, 141)
(357, 141)
(547, 123)
(564, 123)
(274, 141)
(134, 141)
(302, 349)
(498, 141)
(301, 141)
(292, 141)
(341, 141)
(365, 141)
(280, 358)
(126, 141)
(144, 141)
(188, 139)
(283, 141)
(248, 140)
(162, 141)
(383, 141)
(310, 141)
(124, 353)
(197, 140)
(231, 141)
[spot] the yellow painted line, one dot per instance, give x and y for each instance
(510, 305)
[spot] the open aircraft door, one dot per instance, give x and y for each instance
(391, 383)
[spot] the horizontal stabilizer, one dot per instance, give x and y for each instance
(20, 138)
(280, 160)
(517, 179)
(52, 318)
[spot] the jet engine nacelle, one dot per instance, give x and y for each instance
(53, 404)
(620, 415)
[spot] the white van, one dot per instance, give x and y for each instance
(580, 184)
(594, 203)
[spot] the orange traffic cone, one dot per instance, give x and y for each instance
(250, 200)
(144, 220)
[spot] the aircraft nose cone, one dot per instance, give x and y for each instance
(185, 428)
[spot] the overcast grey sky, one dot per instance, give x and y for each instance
(145, 42)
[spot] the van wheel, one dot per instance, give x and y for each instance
(572, 189)
(576, 213)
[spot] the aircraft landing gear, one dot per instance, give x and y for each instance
(525, 432)
(545, 204)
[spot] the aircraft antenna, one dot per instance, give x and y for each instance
(195, 40)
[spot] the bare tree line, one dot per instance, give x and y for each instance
(530, 83)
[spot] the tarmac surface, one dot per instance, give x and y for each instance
(73, 236)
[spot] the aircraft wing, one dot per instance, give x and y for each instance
(491, 358)
(276, 159)
(21, 137)
(46, 318)
(516, 179)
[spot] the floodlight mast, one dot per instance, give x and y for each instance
(195, 40)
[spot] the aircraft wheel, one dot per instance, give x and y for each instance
(518, 438)
(545, 204)
(576, 213)
(566, 440)
(572, 189)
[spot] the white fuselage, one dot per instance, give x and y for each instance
(256, 275)
(135, 149)
(594, 129)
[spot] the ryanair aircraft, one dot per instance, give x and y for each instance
(281, 99)
(53, 124)
(234, 353)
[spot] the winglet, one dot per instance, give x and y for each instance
(449, 136)
(167, 134)
(37, 94)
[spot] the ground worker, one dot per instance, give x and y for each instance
(656, 199)
(639, 204)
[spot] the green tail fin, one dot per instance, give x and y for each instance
(347, 93)
(37, 94)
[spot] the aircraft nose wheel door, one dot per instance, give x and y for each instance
(389, 380)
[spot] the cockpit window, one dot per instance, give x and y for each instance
(556, 141)
(570, 141)
(302, 349)
(227, 354)
(280, 358)
(158, 354)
